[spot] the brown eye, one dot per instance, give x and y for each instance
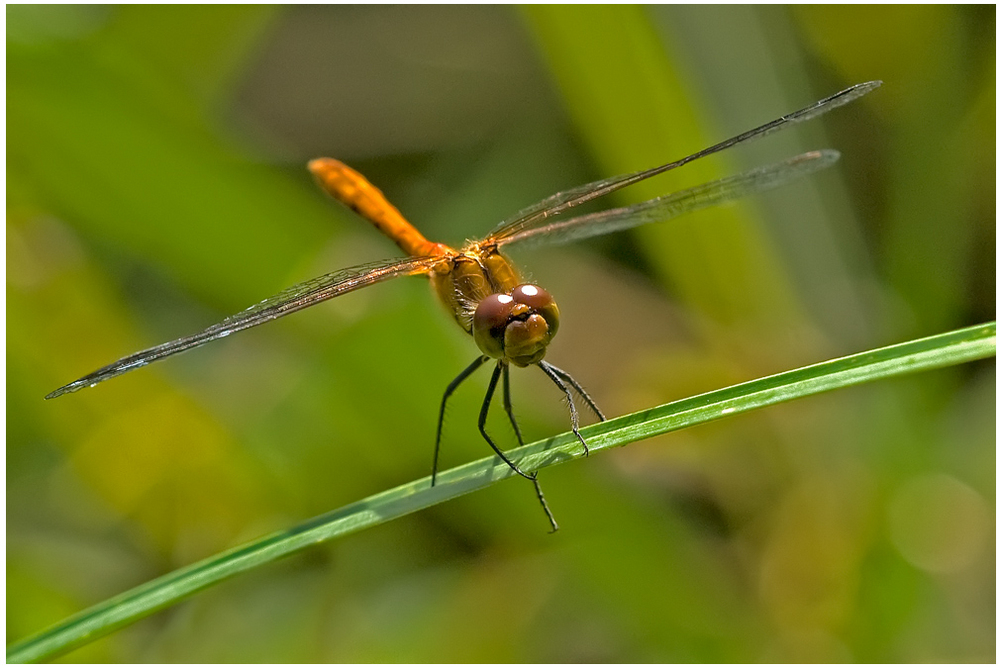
(539, 301)
(489, 322)
(516, 327)
(531, 295)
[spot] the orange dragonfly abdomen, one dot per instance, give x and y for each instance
(348, 186)
(461, 279)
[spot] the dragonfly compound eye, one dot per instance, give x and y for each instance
(516, 327)
(489, 322)
(539, 301)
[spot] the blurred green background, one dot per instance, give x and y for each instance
(156, 183)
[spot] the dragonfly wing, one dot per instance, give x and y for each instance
(537, 214)
(293, 299)
(672, 205)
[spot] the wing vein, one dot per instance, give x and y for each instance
(293, 299)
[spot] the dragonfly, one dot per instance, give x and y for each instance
(511, 322)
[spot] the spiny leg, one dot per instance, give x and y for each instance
(507, 405)
(452, 386)
(574, 417)
(545, 505)
(510, 414)
(482, 421)
(579, 390)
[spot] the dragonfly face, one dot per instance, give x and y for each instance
(511, 322)
(516, 326)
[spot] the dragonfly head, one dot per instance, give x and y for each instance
(516, 326)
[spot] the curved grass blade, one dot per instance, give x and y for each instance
(956, 347)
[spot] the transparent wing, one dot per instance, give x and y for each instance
(537, 214)
(293, 299)
(672, 205)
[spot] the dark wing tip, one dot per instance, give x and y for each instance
(112, 370)
(858, 90)
(65, 389)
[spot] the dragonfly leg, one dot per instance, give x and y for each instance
(482, 422)
(507, 405)
(545, 505)
(517, 431)
(452, 386)
(579, 390)
(554, 374)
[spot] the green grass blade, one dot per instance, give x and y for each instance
(942, 350)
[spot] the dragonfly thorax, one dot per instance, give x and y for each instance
(509, 320)
(516, 326)
(467, 277)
